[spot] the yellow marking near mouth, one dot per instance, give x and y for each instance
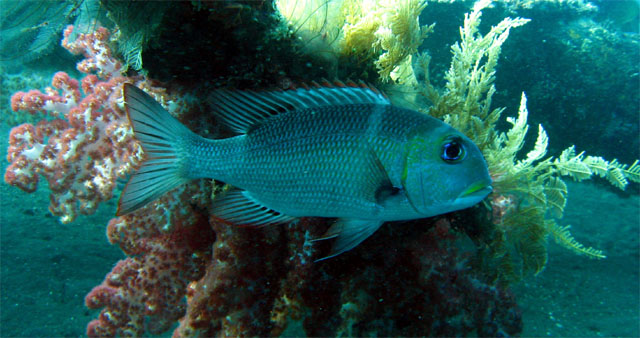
(477, 186)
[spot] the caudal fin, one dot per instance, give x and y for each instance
(163, 140)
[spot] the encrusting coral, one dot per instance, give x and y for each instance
(529, 194)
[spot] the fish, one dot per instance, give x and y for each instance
(335, 150)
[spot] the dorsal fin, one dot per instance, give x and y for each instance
(241, 110)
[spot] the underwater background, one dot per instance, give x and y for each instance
(577, 61)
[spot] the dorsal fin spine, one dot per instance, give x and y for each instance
(243, 109)
(319, 97)
(343, 95)
(235, 119)
(339, 84)
(325, 83)
(265, 96)
(256, 103)
(296, 98)
(235, 105)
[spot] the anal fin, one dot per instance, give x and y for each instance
(238, 206)
(349, 233)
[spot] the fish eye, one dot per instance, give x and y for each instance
(453, 151)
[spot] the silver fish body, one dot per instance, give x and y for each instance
(342, 152)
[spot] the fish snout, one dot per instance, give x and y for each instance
(480, 188)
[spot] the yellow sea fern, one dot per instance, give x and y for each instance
(465, 103)
(386, 29)
(316, 23)
(386, 32)
(402, 35)
(529, 193)
(562, 236)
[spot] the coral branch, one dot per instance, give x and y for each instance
(89, 144)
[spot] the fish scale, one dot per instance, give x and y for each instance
(303, 163)
(343, 152)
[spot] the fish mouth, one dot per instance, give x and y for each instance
(478, 189)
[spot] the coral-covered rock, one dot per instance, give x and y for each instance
(145, 292)
(409, 280)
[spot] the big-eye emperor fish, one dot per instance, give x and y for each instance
(338, 150)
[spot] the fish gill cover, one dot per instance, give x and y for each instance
(409, 279)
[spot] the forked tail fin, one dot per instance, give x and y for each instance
(164, 141)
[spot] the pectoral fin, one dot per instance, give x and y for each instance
(349, 233)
